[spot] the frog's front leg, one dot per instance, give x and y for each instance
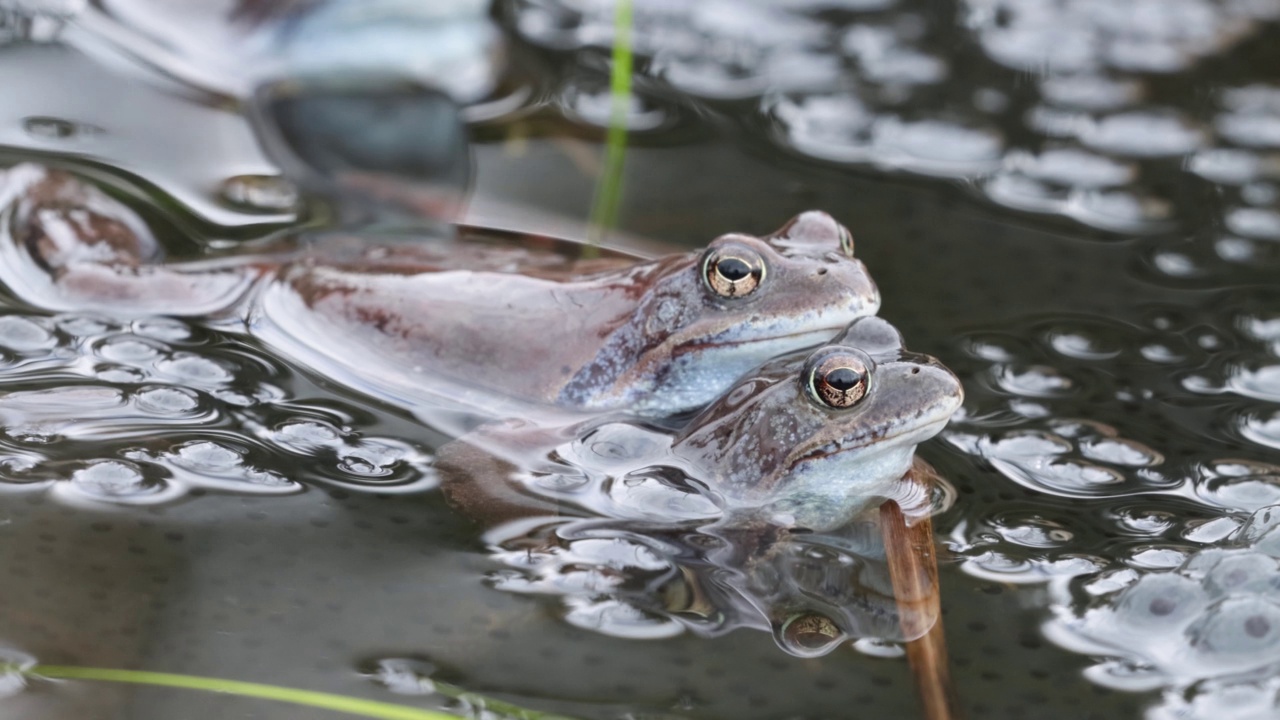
(67, 245)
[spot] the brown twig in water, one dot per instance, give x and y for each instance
(913, 568)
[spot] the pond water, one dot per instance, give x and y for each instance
(1074, 204)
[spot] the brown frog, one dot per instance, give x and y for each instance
(502, 328)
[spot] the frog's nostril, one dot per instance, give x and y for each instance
(821, 271)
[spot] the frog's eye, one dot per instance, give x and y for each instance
(733, 271)
(846, 241)
(837, 377)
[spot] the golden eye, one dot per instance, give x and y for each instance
(733, 271)
(846, 241)
(838, 377)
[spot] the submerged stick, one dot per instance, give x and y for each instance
(913, 567)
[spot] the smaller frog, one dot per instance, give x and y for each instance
(806, 441)
(499, 329)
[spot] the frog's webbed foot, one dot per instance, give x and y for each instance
(70, 246)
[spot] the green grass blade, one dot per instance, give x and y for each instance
(327, 701)
(604, 211)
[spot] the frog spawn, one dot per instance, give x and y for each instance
(1206, 630)
(813, 594)
(140, 413)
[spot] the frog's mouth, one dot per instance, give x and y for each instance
(884, 436)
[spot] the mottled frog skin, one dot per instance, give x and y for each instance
(456, 322)
(809, 440)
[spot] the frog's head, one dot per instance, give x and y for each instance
(817, 436)
(703, 320)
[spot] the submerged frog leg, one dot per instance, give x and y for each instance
(67, 245)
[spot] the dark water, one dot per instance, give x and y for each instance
(1073, 204)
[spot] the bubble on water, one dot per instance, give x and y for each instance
(1261, 426)
(189, 368)
(1257, 223)
(1157, 557)
(404, 676)
(306, 435)
(1226, 166)
(25, 335)
(1073, 167)
(616, 618)
(1037, 381)
(1023, 193)
(167, 401)
(1119, 210)
(205, 456)
(937, 147)
(1242, 493)
(15, 666)
(1253, 117)
(131, 350)
(85, 326)
(1119, 451)
(594, 105)
(1142, 521)
(995, 348)
(1262, 383)
(1091, 92)
(115, 482)
(1208, 532)
(164, 329)
(1143, 134)
(1032, 532)
(119, 374)
(833, 127)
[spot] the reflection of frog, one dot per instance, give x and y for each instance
(809, 439)
(752, 514)
(459, 320)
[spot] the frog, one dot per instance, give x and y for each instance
(806, 441)
(469, 323)
(766, 509)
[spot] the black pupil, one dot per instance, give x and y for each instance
(733, 269)
(842, 379)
